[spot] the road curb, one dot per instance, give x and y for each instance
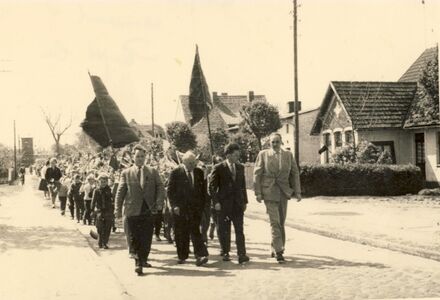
(377, 243)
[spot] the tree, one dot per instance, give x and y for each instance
(180, 135)
(364, 153)
(56, 129)
(6, 160)
(249, 146)
(219, 140)
(260, 118)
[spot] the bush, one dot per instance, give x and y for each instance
(360, 179)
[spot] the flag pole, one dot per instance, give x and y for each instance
(206, 110)
(295, 66)
(152, 111)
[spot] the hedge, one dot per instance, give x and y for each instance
(360, 179)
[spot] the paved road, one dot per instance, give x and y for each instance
(46, 256)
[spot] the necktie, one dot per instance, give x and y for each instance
(141, 177)
(233, 171)
(190, 178)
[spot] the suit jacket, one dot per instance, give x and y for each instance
(131, 195)
(270, 182)
(102, 201)
(225, 190)
(190, 200)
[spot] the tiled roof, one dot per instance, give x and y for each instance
(414, 72)
(146, 130)
(226, 109)
(376, 104)
(292, 114)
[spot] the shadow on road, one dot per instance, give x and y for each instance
(38, 238)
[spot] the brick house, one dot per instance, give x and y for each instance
(388, 114)
(308, 144)
(224, 114)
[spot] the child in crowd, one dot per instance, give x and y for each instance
(102, 201)
(75, 198)
(65, 183)
(87, 191)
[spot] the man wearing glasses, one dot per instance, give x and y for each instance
(276, 180)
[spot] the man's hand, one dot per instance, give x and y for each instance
(259, 198)
(298, 197)
(217, 207)
(244, 207)
(176, 211)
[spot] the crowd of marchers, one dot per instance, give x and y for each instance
(190, 201)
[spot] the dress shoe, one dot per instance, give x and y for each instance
(146, 265)
(226, 257)
(158, 239)
(105, 246)
(272, 254)
(280, 258)
(200, 261)
(181, 261)
(243, 259)
(139, 270)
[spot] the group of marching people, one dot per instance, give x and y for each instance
(187, 201)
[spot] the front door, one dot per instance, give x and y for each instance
(420, 152)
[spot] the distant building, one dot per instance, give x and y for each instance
(147, 130)
(225, 113)
(308, 144)
(387, 114)
(27, 151)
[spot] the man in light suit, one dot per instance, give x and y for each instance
(276, 180)
(142, 193)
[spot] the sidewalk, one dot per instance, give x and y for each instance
(409, 224)
(43, 256)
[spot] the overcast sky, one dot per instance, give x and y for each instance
(48, 47)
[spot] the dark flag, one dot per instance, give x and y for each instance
(104, 121)
(199, 97)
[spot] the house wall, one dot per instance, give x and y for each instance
(308, 145)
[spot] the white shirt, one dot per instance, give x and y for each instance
(279, 153)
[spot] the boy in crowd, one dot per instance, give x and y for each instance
(102, 201)
(75, 198)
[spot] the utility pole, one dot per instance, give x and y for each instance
(15, 153)
(295, 68)
(152, 110)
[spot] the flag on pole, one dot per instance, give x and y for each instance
(104, 121)
(199, 97)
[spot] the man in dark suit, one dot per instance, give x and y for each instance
(227, 186)
(187, 194)
(141, 192)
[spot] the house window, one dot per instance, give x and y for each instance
(388, 146)
(348, 137)
(287, 128)
(338, 139)
(328, 144)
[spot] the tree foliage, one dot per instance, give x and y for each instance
(249, 146)
(364, 153)
(260, 118)
(180, 135)
(219, 139)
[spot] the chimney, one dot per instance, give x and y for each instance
(214, 96)
(291, 106)
(224, 94)
(251, 96)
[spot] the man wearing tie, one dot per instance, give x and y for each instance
(227, 187)
(141, 192)
(276, 180)
(187, 194)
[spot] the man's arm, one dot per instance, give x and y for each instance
(120, 194)
(294, 179)
(160, 191)
(258, 174)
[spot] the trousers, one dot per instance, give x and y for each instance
(277, 212)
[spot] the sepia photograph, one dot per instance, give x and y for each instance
(219, 149)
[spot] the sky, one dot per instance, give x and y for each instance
(49, 46)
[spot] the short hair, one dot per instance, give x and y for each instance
(274, 134)
(91, 176)
(53, 159)
(139, 147)
(189, 155)
(102, 176)
(231, 147)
